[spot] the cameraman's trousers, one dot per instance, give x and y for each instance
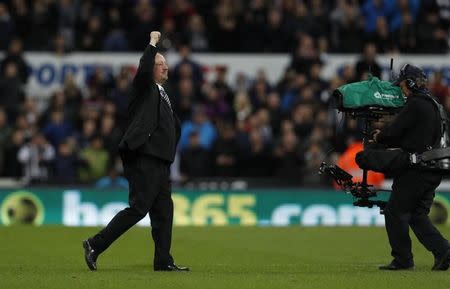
(410, 202)
(149, 192)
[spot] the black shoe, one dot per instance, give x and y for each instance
(442, 263)
(395, 267)
(172, 267)
(90, 256)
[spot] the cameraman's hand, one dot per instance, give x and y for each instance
(154, 37)
(375, 134)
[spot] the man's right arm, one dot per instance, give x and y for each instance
(144, 74)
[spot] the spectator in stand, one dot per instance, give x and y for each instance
(115, 39)
(242, 106)
(319, 11)
(225, 152)
(348, 74)
(315, 81)
(12, 166)
(186, 96)
(398, 11)
(216, 108)
(431, 36)
(14, 55)
(305, 55)
(196, 34)
(111, 135)
(277, 36)
(21, 15)
(11, 90)
(302, 20)
(221, 84)
(346, 29)
(201, 124)
(381, 37)
(291, 94)
(303, 120)
(57, 129)
(224, 27)
(254, 21)
(89, 129)
(142, 21)
(99, 81)
(67, 164)
(261, 122)
(6, 26)
(195, 159)
(259, 90)
(43, 26)
(92, 38)
(405, 35)
(36, 158)
(30, 112)
(186, 63)
(274, 109)
(372, 10)
(73, 98)
(119, 97)
(256, 160)
(96, 159)
(289, 158)
(181, 11)
(368, 63)
(67, 18)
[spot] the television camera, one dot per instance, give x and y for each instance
(374, 101)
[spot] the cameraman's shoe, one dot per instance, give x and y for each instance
(395, 267)
(442, 263)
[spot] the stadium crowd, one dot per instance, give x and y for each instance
(248, 128)
(342, 26)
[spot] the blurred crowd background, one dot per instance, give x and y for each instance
(249, 127)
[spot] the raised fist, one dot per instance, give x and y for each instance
(154, 37)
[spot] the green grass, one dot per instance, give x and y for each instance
(228, 257)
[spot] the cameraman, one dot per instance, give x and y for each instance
(416, 128)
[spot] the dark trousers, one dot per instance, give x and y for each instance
(149, 192)
(410, 202)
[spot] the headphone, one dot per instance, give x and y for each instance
(410, 82)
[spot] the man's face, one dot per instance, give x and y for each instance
(404, 88)
(161, 70)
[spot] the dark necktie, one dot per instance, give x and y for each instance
(165, 97)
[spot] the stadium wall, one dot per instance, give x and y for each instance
(260, 207)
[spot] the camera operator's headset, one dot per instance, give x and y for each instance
(410, 82)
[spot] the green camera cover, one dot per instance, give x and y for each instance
(370, 93)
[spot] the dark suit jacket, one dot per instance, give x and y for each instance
(150, 123)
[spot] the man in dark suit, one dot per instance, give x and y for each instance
(147, 150)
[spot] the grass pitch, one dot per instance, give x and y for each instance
(227, 257)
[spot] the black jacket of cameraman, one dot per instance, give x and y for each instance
(416, 127)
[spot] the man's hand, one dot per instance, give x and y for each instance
(154, 37)
(375, 134)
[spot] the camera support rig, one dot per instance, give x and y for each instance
(361, 191)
